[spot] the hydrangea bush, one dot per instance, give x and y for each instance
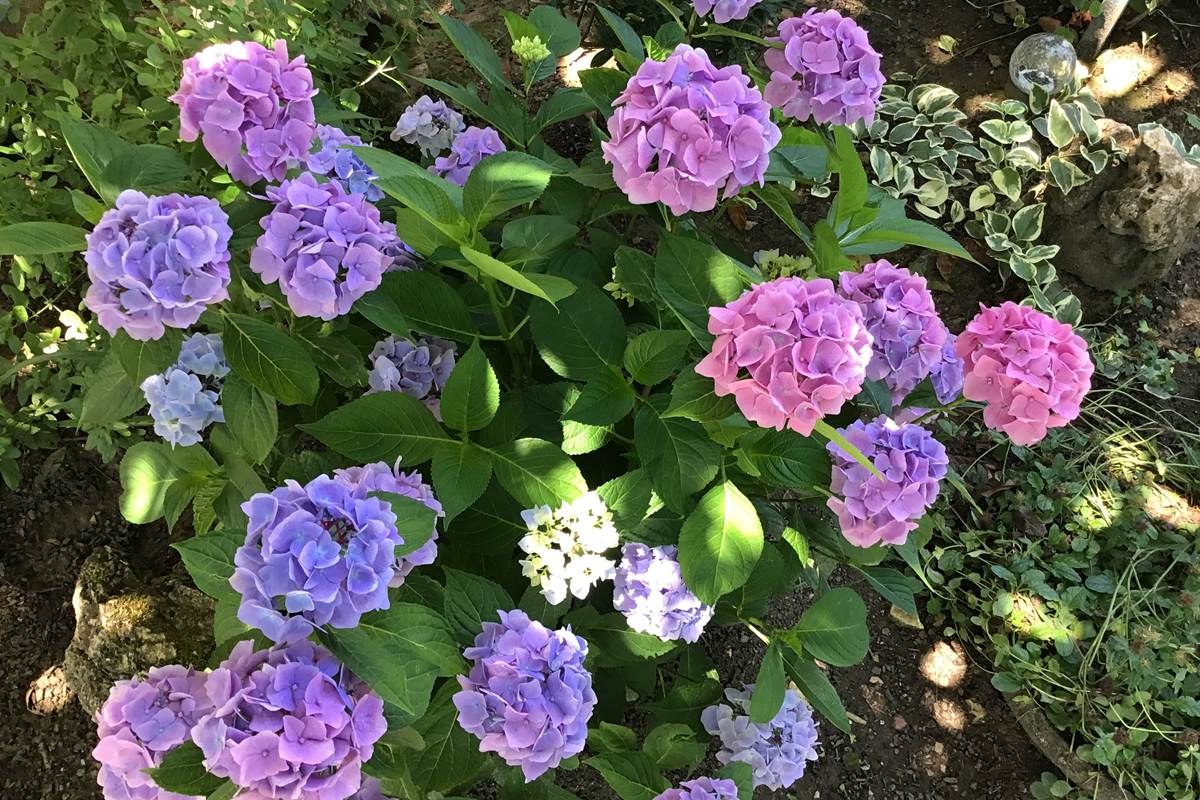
(454, 502)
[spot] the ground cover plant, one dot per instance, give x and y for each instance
(467, 472)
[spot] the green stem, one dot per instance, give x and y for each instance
(514, 352)
(691, 27)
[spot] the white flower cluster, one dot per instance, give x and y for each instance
(565, 547)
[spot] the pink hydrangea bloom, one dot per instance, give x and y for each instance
(252, 107)
(790, 351)
(684, 131)
(725, 10)
(826, 70)
(1031, 371)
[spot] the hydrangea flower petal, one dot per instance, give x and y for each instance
(565, 547)
(648, 589)
(185, 399)
(777, 751)
(468, 149)
(429, 124)
(418, 368)
(334, 158)
(704, 788)
(724, 10)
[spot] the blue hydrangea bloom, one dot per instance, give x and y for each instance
(777, 751)
(335, 160)
(184, 400)
(429, 124)
(417, 368)
(648, 589)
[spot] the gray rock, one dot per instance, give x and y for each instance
(1133, 222)
(124, 626)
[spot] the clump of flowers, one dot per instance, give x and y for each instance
(156, 262)
(1031, 371)
(379, 477)
(826, 70)
(335, 159)
(252, 107)
(324, 246)
(724, 10)
(884, 508)
(648, 589)
(290, 722)
(141, 721)
(316, 555)
(527, 697)
(790, 351)
(468, 149)
(530, 49)
(417, 368)
(778, 751)
(185, 399)
(684, 132)
(772, 264)
(947, 374)
(429, 124)
(909, 336)
(565, 547)
(702, 789)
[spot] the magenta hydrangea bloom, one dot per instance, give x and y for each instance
(648, 589)
(140, 722)
(323, 553)
(684, 131)
(702, 789)
(468, 149)
(324, 246)
(790, 351)
(777, 751)
(527, 697)
(873, 509)
(290, 723)
(909, 336)
(1031, 371)
(157, 262)
(252, 108)
(724, 10)
(826, 70)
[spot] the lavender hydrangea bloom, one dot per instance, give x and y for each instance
(884, 508)
(826, 70)
(251, 106)
(429, 124)
(527, 697)
(323, 246)
(156, 261)
(290, 723)
(338, 162)
(184, 399)
(702, 789)
(648, 589)
(947, 374)
(725, 10)
(318, 554)
(418, 369)
(909, 336)
(371, 789)
(141, 721)
(684, 131)
(468, 149)
(777, 751)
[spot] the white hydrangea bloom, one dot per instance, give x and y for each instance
(565, 547)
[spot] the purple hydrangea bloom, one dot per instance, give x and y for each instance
(684, 130)
(251, 106)
(777, 751)
(325, 247)
(378, 477)
(947, 374)
(725, 10)
(338, 162)
(649, 590)
(826, 70)
(527, 697)
(909, 336)
(884, 508)
(429, 124)
(184, 399)
(290, 723)
(320, 554)
(371, 789)
(157, 261)
(141, 721)
(702, 789)
(468, 149)
(417, 368)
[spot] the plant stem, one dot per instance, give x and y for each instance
(510, 344)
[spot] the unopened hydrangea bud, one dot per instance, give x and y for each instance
(429, 124)
(157, 262)
(530, 49)
(185, 399)
(777, 751)
(565, 547)
(527, 697)
(417, 368)
(724, 10)
(468, 149)
(648, 589)
(772, 264)
(702, 789)
(335, 159)
(1030, 370)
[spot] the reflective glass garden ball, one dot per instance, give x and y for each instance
(1043, 60)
